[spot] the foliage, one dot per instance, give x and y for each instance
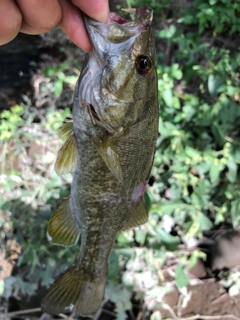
(195, 169)
(29, 191)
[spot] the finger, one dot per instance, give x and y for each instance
(10, 19)
(73, 25)
(96, 9)
(39, 16)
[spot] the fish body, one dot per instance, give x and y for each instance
(111, 148)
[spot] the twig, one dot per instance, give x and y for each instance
(42, 316)
(98, 314)
(12, 314)
(219, 317)
(109, 312)
(139, 316)
(61, 315)
(131, 315)
(199, 316)
(15, 313)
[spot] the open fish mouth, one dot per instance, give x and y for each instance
(141, 14)
(118, 29)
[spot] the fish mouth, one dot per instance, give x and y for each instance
(142, 14)
(118, 29)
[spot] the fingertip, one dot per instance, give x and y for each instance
(10, 22)
(73, 25)
(82, 42)
(95, 9)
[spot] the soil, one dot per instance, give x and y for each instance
(19, 60)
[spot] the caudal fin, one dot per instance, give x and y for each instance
(76, 292)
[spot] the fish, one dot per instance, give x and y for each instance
(109, 147)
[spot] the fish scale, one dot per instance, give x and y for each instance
(110, 148)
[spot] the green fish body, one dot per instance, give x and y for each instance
(110, 147)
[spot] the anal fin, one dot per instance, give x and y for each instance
(138, 217)
(109, 155)
(62, 228)
(75, 292)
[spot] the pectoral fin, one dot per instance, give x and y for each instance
(67, 156)
(138, 217)
(66, 130)
(109, 155)
(62, 228)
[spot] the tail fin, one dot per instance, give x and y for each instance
(76, 292)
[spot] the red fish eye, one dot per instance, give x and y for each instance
(143, 65)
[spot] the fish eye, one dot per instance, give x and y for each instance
(143, 65)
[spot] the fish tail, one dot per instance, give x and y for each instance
(75, 291)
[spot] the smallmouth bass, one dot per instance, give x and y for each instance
(110, 148)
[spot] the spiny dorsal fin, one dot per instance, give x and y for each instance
(138, 217)
(109, 155)
(62, 228)
(67, 155)
(75, 292)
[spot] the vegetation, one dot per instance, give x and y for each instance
(196, 167)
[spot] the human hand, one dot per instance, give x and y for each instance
(36, 17)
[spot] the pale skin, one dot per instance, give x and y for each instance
(39, 16)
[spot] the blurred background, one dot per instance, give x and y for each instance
(182, 264)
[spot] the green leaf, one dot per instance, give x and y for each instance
(113, 266)
(58, 86)
(168, 97)
(170, 242)
(214, 82)
(167, 33)
(232, 170)
(147, 200)
(214, 172)
(235, 209)
(204, 222)
(182, 279)
(121, 314)
(218, 134)
(140, 236)
(166, 237)
(121, 296)
(195, 255)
